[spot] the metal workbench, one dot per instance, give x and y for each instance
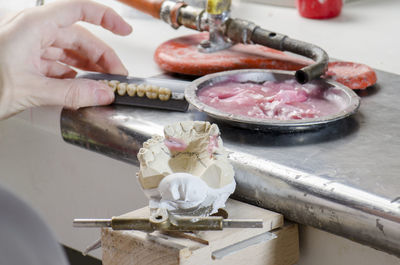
(343, 178)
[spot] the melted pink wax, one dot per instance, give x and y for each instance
(281, 100)
(175, 144)
(212, 143)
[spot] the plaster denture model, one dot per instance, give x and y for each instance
(187, 171)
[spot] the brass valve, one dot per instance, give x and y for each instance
(218, 7)
(217, 12)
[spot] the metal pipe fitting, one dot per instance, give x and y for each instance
(243, 31)
(311, 51)
(217, 40)
(225, 31)
(178, 14)
(192, 17)
(217, 12)
(166, 13)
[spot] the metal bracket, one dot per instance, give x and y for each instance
(231, 249)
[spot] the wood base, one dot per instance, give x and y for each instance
(139, 248)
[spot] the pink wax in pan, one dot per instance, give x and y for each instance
(280, 100)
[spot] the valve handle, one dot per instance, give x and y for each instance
(217, 7)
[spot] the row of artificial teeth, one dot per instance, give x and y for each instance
(141, 90)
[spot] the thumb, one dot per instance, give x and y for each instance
(75, 93)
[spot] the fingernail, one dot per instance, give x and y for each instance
(126, 71)
(130, 29)
(104, 96)
(120, 70)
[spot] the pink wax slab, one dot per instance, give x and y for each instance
(279, 100)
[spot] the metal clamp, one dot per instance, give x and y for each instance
(161, 220)
(174, 14)
(165, 12)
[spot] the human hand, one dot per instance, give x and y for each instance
(39, 45)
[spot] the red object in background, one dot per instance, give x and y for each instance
(319, 9)
(352, 75)
(180, 55)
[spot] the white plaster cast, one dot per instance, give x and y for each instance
(186, 170)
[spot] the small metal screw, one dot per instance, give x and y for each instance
(205, 44)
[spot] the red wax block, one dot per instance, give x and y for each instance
(181, 55)
(352, 75)
(319, 9)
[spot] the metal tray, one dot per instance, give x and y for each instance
(255, 75)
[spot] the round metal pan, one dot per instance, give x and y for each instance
(259, 76)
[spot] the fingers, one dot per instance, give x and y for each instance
(35, 90)
(77, 60)
(56, 70)
(73, 93)
(52, 53)
(8, 18)
(66, 13)
(85, 51)
(71, 58)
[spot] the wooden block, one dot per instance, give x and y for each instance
(139, 248)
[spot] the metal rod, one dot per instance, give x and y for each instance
(255, 240)
(92, 223)
(242, 223)
(178, 224)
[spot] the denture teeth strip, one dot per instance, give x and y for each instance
(121, 89)
(113, 84)
(152, 92)
(164, 94)
(131, 90)
(140, 90)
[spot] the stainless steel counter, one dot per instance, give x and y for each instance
(343, 178)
